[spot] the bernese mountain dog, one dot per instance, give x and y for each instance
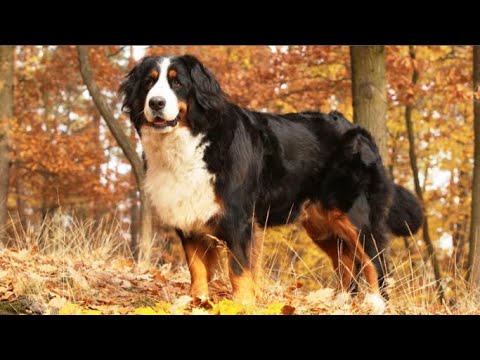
(218, 172)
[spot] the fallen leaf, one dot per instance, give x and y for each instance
(20, 255)
(78, 278)
(157, 276)
(91, 312)
(123, 310)
(227, 307)
(162, 307)
(9, 296)
(70, 295)
(70, 309)
(122, 264)
(324, 296)
(49, 269)
(147, 286)
(3, 274)
(125, 284)
(295, 286)
(3, 290)
(340, 312)
(198, 311)
(273, 309)
(145, 310)
(75, 309)
(288, 310)
(147, 277)
(57, 302)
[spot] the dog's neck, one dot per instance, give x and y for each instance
(177, 181)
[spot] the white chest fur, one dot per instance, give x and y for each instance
(178, 183)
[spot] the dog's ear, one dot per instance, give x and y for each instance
(207, 90)
(128, 89)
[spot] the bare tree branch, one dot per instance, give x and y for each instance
(116, 52)
(127, 148)
(107, 114)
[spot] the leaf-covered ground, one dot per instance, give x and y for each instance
(35, 283)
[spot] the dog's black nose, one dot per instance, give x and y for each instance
(157, 103)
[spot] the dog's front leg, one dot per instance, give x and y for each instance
(244, 257)
(202, 259)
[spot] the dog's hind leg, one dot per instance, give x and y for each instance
(345, 230)
(375, 244)
(342, 262)
(332, 231)
(315, 221)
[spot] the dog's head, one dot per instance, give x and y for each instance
(168, 91)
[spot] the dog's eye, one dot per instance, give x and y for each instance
(176, 84)
(149, 81)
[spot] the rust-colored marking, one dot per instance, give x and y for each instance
(326, 227)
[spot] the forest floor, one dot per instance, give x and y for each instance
(72, 267)
(35, 283)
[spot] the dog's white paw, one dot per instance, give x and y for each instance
(341, 299)
(375, 304)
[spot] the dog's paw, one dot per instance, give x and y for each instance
(341, 300)
(375, 304)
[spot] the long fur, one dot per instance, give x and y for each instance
(269, 164)
(406, 215)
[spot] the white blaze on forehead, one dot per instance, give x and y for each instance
(162, 89)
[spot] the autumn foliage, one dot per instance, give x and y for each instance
(66, 165)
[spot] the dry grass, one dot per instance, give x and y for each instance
(79, 267)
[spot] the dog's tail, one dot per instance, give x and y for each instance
(406, 214)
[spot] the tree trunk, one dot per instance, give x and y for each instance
(460, 228)
(134, 223)
(474, 239)
(6, 112)
(459, 249)
(369, 92)
(20, 202)
(418, 190)
(97, 210)
(127, 148)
